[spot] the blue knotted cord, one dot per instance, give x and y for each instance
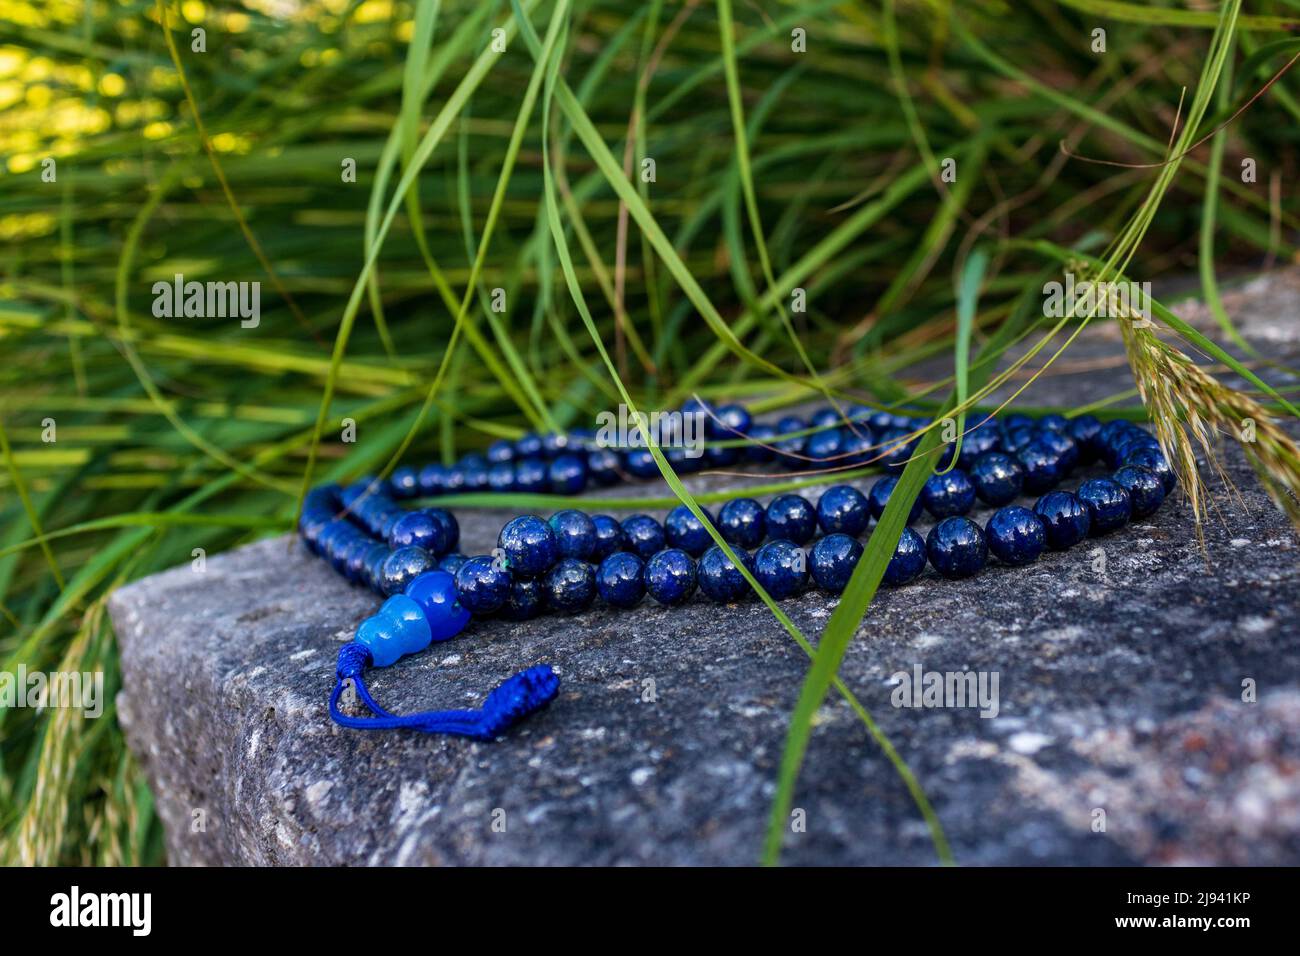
(517, 697)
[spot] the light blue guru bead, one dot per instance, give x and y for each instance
(399, 628)
(435, 592)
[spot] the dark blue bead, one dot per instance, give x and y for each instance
(697, 406)
(526, 600)
(879, 494)
(420, 529)
(373, 566)
(531, 476)
(402, 567)
(896, 446)
(859, 445)
(729, 422)
(719, 579)
(323, 497)
(824, 447)
(908, 560)
(683, 530)
(1086, 432)
(358, 489)
(1018, 439)
(354, 562)
(620, 579)
(500, 451)
(842, 509)
(790, 517)
(528, 446)
(529, 546)
(639, 463)
(1129, 446)
(1153, 459)
(1109, 506)
(583, 439)
(501, 477)
(742, 522)
(645, 536)
(450, 528)
(782, 568)
(685, 461)
(575, 533)
(1064, 517)
(453, 481)
(483, 585)
(978, 442)
(998, 478)
(1015, 535)
(948, 494)
(791, 448)
(670, 576)
(475, 470)
(555, 444)
(832, 561)
(1054, 422)
(825, 417)
(1111, 430)
(1016, 420)
(451, 562)
(567, 474)
(882, 421)
(570, 585)
(610, 537)
(603, 466)
(1063, 446)
(405, 482)
(760, 448)
(718, 457)
(1146, 492)
(957, 548)
(433, 480)
(1042, 467)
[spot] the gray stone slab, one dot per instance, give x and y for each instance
(1119, 690)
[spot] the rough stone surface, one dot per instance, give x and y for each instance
(1120, 690)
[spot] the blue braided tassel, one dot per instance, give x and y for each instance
(511, 702)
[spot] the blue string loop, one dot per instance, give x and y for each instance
(516, 697)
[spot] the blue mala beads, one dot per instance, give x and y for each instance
(565, 563)
(671, 577)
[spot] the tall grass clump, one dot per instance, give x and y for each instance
(779, 202)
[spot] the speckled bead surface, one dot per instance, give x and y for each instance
(529, 546)
(782, 568)
(531, 476)
(639, 463)
(525, 600)
(742, 522)
(1042, 466)
(419, 529)
(645, 536)
(1146, 492)
(1065, 519)
(450, 528)
(570, 585)
(1153, 459)
(878, 498)
(842, 509)
(603, 466)
(951, 493)
(609, 537)
(482, 585)
(620, 579)
(402, 567)
(832, 560)
(718, 577)
(909, 559)
(790, 517)
(567, 474)
(1015, 535)
(670, 576)
(685, 531)
(997, 478)
(1108, 505)
(435, 593)
(575, 534)
(451, 562)
(957, 548)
